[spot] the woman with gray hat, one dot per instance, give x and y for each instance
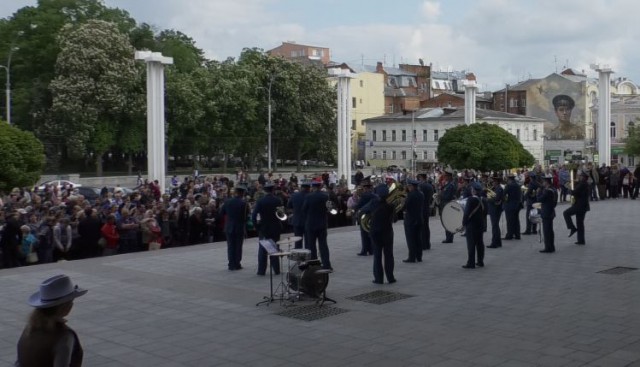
(46, 339)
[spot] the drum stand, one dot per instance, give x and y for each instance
(323, 296)
(281, 289)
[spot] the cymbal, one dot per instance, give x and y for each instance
(289, 240)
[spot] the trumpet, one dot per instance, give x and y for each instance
(491, 195)
(331, 208)
(281, 214)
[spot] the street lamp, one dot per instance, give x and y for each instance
(272, 77)
(7, 69)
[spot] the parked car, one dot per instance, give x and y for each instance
(59, 183)
(91, 194)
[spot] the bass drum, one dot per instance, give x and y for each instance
(309, 278)
(451, 216)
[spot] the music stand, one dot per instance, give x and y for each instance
(272, 250)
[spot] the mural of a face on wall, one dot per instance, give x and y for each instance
(561, 102)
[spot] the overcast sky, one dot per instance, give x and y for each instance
(501, 41)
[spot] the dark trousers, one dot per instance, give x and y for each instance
(513, 223)
(496, 239)
(549, 235)
(298, 231)
(448, 236)
(127, 245)
(426, 233)
(579, 221)
(365, 247)
(319, 235)
(262, 258)
(413, 235)
(382, 243)
(9, 255)
(531, 227)
(234, 249)
(474, 245)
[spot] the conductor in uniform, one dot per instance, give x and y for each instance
(495, 212)
(365, 197)
(512, 202)
(548, 198)
(381, 232)
(472, 220)
(295, 204)
(413, 221)
(427, 190)
(448, 194)
(269, 227)
(314, 210)
(579, 208)
(237, 212)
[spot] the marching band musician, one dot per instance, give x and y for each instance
(495, 211)
(365, 197)
(512, 206)
(413, 221)
(579, 208)
(530, 198)
(448, 194)
(237, 213)
(472, 221)
(295, 204)
(427, 190)
(269, 227)
(381, 232)
(314, 210)
(548, 197)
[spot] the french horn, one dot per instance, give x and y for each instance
(281, 214)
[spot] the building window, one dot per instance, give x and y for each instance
(353, 124)
(414, 136)
(384, 135)
(404, 155)
(425, 155)
(374, 137)
(613, 130)
(384, 154)
(424, 135)
(374, 155)
(393, 155)
(523, 102)
(535, 134)
(435, 135)
(361, 83)
(361, 122)
(518, 134)
(393, 135)
(404, 135)
(353, 102)
(360, 100)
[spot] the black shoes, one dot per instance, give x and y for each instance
(480, 265)
(392, 280)
(507, 238)
(376, 281)
(493, 246)
(579, 243)
(408, 261)
(362, 254)
(526, 233)
(546, 251)
(468, 266)
(445, 241)
(573, 231)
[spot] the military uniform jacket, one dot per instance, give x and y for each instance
(495, 204)
(314, 210)
(448, 193)
(473, 213)
(365, 198)
(512, 194)
(581, 194)
(237, 213)
(295, 203)
(548, 198)
(414, 208)
(270, 226)
(427, 190)
(531, 193)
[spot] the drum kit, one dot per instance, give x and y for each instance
(305, 276)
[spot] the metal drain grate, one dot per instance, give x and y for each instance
(380, 297)
(310, 312)
(617, 270)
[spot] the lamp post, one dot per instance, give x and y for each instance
(8, 89)
(272, 77)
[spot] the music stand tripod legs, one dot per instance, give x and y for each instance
(269, 299)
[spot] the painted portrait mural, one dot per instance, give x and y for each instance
(562, 103)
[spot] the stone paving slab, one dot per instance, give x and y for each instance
(181, 307)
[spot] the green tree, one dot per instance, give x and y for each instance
(96, 78)
(21, 157)
(483, 147)
(632, 141)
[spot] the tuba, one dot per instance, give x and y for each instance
(396, 199)
(281, 214)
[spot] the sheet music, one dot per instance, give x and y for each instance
(269, 245)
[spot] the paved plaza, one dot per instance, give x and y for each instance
(181, 307)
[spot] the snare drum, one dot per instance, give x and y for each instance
(534, 216)
(300, 255)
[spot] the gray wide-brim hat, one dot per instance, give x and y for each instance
(55, 291)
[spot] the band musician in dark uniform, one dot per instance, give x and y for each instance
(413, 221)
(494, 205)
(448, 194)
(295, 204)
(512, 206)
(365, 197)
(237, 213)
(427, 190)
(314, 210)
(530, 198)
(381, 232)
(579, 208)
(269, 227)
(548, 198)
(472, 221)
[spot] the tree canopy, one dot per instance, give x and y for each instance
(21, 158)
(483, 147)
(632, 141)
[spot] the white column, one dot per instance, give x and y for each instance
(470, 101)
(155, 114)
(604, 113)
(343, 123)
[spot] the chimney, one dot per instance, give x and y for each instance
(379, 68)
(471, 76)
